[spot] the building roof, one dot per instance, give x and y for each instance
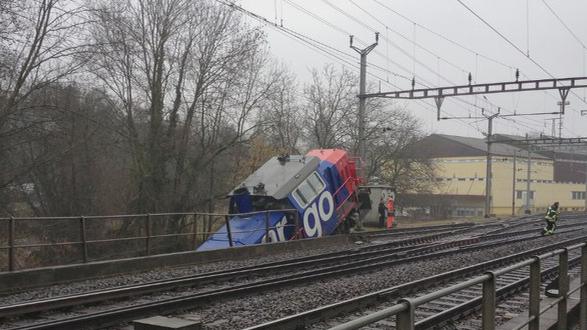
(442, 145)
(573, 152)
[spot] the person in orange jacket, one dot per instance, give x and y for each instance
(390, 212)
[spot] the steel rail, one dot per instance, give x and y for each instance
(124, 313)
(406, 318)
(415, 230)
(472, 305)
(101, 295)
(306, 318)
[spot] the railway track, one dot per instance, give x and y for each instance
(455, 306)
(403, 232)
(356, 260)
(166, 305)
(512, 303)
(340, 312)
(381, 251)
(445, 311)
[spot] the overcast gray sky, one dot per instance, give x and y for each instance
(529, 24)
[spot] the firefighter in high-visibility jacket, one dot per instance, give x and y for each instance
(551, 218)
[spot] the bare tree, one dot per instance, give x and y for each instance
(37, 49)
(282, 118)
(391, 154)
(331, 121)
(330, 102)
(190, 78)
(80, 127)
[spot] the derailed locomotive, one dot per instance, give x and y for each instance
(292, 197)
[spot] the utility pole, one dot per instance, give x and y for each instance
(514, 185)
(362, 98)
(562, 105)
(361, 115)
(584, 113)
(553, 127)
(528, 176)
(488, 162)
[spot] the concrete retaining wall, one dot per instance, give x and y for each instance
(18, 280)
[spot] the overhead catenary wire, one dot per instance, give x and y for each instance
(456, 43)
(346, 33)
(564, 24)
(573, 34)
(333, 52)
(515, 46)
(403, 51)
(505, 38)
(527, 27)
(328, 50)
(335, 27)
(421, 81)
(320, 46)
(411, 56)
(307, 41)
(460, 45)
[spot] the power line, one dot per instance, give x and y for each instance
(457, 44)
(564, 24)
(314, 44)
(413, 41)
(408, 39)
(444, 37)
(460, 45)
(505, 38)
(341, 30)
(375, 51)
(403, 51)
(320, 46)
(346, 33)
(514, 45)
(310, 42)
(337, 28)
(304, 10)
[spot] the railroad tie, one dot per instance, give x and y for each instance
(163, 323)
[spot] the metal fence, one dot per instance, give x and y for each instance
(30, 242)
(404, 310)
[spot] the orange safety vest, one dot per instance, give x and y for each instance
(390, 215)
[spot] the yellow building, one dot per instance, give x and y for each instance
(461, 170)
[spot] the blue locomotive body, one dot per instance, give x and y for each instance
(290, 197)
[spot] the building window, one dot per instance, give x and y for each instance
(521, 194)
(467, 212)
(462, 179)
(578, 195)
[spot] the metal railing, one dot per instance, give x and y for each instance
(404, 310)
(80, 237)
